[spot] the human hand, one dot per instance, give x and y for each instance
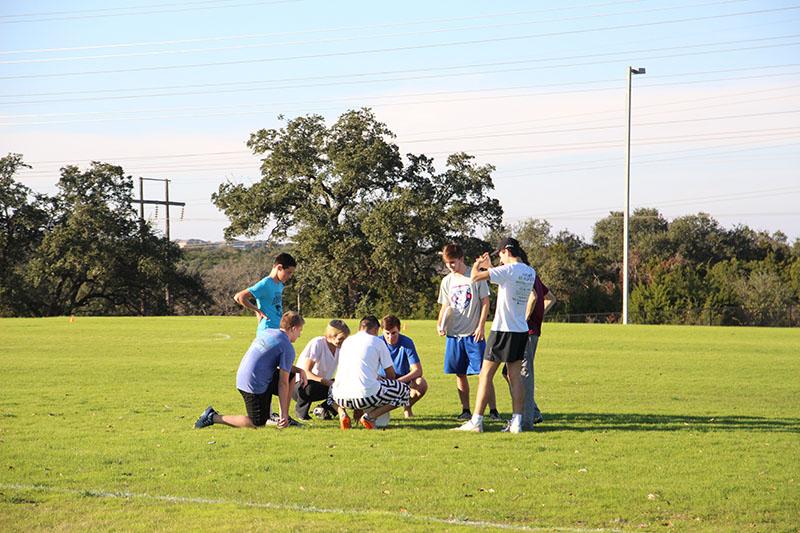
(479, 334)
(283, 423)
(303, 377)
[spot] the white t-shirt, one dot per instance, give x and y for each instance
(324, 361)
(514, 283)
(360, 358)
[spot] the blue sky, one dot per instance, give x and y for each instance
(174, 90)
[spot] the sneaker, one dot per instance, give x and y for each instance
(538, 419)
(367, 422)
(512, 428)
(465, 415)
(275, 418)
(206, 419)
(344, 422)
(494, 414)
(323, 413)
(469, 426)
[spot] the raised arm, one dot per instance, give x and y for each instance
(481, 262)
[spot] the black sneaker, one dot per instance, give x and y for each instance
(206, 419)
(538, 419)
(465, 415)
(323, 413)
(275, 417)
(494, 414)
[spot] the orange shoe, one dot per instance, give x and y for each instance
(344, 422)
(367, 422)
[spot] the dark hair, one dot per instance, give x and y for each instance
(291, 319)
(369, 322)
(390, 322)
(452, 251)
(285, 260)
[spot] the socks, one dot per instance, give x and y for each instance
(516, 419)
(477, 420)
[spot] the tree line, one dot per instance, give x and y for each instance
(366, 226)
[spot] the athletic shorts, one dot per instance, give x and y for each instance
(462, 355)
(257, 406)
(506, 346)
(391, 392)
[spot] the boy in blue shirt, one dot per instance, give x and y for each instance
(406, 361)
(265, 298)
(264, 371)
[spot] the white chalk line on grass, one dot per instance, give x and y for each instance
(294, 507)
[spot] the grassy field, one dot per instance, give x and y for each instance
(694, 428)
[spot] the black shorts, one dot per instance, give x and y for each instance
(506, 346)
(258, 405)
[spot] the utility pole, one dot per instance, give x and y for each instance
(626, 213)
(166, 203)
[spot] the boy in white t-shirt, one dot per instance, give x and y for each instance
(509, 334)
(319, 359)
(358, 385)
(462, 319)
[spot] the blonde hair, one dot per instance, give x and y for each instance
(335, 327)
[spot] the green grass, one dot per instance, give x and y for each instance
(645, 427)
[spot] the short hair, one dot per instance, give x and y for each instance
(336, 327)
(369, 322)
(452, 251)
(285, 260)
(291, 319)
(390, 322)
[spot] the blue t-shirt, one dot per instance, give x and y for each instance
(404, 354)
(269, 299)
(271, 349)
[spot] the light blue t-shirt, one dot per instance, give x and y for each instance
(269, 299)
(404, 354)
(271, 349)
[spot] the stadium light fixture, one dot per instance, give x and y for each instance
(626, 213)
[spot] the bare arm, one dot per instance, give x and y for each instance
(480, 331)
(530, 305)
(245, 299)
(482, 262)
(439, 320)
(307, 366)
(302, 373)
(415, 372)
(390, 373)
(549, 301)
(284, 395)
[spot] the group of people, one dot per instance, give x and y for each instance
(378, 369)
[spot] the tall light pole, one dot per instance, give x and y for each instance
(626, 214)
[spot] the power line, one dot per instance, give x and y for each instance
(411, 47)
(214, 5)
(358, 37)
(440, 68)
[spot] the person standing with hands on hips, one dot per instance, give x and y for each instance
(265, 298)
(509, 333)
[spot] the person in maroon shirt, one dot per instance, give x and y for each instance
(540, 301)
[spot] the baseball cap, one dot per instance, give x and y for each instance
(509, 243)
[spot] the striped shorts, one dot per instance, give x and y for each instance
(392, 392)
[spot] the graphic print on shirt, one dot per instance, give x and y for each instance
(277, 301)
(460, 297)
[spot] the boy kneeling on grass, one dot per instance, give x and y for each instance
(264, 371)
(358, 385)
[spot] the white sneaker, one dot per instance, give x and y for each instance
(512, 428)
(469, 426)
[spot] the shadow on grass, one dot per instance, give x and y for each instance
(632, 422)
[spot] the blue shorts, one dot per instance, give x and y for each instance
(462, 355)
